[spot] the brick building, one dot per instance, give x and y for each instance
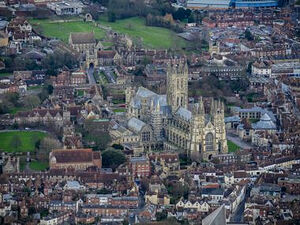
(140, 166)
(78, 159)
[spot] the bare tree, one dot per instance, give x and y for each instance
(46, 146)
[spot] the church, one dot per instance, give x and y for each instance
(169, 122)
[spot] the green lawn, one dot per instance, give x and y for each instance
(28, 139)
(119, 110)
(153, 37)
(5, 74)
(232, 147)
(34, 87)
(38, 166)
(80, 93)
(63, 30)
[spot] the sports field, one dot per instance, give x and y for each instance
(153, 37)
(27, 139)
(62, 30)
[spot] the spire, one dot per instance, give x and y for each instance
(201, 106)
(152, 105)
(157, 107)
(196, 108)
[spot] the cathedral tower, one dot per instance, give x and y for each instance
(197, 125)
(218, 121)
(177, 85)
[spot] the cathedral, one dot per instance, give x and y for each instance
(169, 122)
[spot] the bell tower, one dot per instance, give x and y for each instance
(177, 85)
(198, 125)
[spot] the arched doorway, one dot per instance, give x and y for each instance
(91, 65)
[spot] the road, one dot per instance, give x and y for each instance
(91, 77)
(235, 139)
(238, 215)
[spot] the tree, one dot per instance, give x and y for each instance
(31, 101)
(16, 142)
(161, 215)
(112, 158)
(248, 35)
(111, 17)
(47, 144)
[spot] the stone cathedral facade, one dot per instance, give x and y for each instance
(169, 122)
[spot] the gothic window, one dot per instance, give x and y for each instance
(145, 136)
(200, 148)
(209, 142)
(178, 101)
(220, 147)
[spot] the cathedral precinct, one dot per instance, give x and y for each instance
(169, 122)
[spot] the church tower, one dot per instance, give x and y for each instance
(217, 113)
(157, 121)
(198, 124)
(177, 85)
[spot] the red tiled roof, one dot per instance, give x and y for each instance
(73, 155)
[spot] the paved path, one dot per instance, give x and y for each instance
(235, 139)
(91, 77)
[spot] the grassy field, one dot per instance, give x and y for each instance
(63, 30)
(28, 140)
(153, 37)
(38, 166)
(5, 74)
(232, 147)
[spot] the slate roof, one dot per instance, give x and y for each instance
(213, 191)
(184, 114)
(151, 98)
(232, 119)
(83, 38)
(265, 123)
(136, 124)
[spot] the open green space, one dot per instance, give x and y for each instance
(102, 78)
(14, 110)
(107, 44)
(119, 110)
(153, 37)
(5, 74)
(232, 147)
(62, 30)
(27, 141)
(38, 166)
(80, 93)
(37, 87)
(118, 101)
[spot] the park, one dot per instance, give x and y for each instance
(150, 37)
